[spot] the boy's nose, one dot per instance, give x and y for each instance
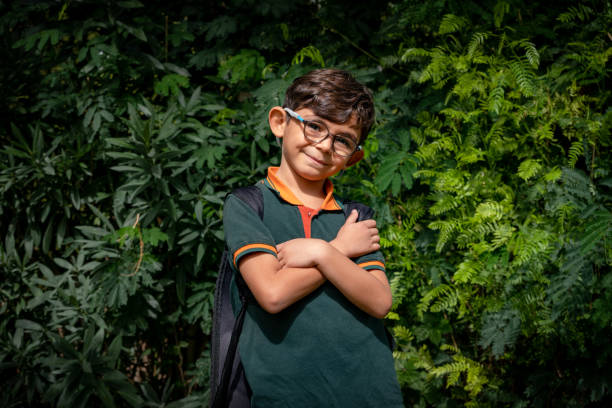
(326, 144)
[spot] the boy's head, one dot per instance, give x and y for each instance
(334, 95)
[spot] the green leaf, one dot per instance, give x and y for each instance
(198, 211)
(114, 349)
(63, 263)
(189, 237)
(388, 170)
(171, 84)
(130, 4)
(154, 236)
(28, 325)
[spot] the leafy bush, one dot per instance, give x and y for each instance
(489, 168)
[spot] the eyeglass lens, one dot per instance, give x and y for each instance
(317, 131)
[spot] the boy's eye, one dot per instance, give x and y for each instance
(315, 127)
(345, 142)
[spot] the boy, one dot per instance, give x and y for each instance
(315, 337)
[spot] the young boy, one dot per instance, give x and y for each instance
(315, 337)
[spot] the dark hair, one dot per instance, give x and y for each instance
(334, 95)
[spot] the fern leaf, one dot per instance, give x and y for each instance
(470, 155)
(553, 175)
(490, 210)
(581, 13)
(467, 270)
(451, 180)
(502, 234)
(446, 303)
(403, 333)
(500, 330)
(475, 376)
(476, 42)
(414, 53)
(451, 24)
(577, 183)
(544, 132)
(497, 131)
(529, 168)
(447, 228)
(310, 52)
(530, 243)
(444, 203)
(428, 152)
(437, 292)
(531, 53)
(596, 231)
(496, 98)
(499, 11)
(575, 151)
(523, 76)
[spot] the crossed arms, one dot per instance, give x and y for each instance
(304, 264)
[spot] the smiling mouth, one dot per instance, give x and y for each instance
(322, 163)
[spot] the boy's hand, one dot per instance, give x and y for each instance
(300, 252)
(357, 238)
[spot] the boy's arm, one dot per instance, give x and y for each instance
(368, 290)
(253, 252)
(276, 287)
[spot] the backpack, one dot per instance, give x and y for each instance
(228, 385)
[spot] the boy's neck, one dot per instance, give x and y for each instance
(309, 192)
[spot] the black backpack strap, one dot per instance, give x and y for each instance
(225, 364)
(251, 195)
(365, 212)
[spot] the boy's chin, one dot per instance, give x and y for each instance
(317, 174)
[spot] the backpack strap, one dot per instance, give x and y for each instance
(365, 212)
(251, 195)
(231, 375)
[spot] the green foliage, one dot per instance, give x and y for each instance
(514, 170)
(488, 167)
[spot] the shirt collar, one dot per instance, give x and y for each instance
(286, 194)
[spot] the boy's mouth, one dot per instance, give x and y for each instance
(319, 162)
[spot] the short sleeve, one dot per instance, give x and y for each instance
(244, 230)
(373, 260)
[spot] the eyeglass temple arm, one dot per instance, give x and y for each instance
(293, 114)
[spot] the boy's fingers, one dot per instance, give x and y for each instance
(352, 218)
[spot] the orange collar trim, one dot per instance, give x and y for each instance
(286, 194)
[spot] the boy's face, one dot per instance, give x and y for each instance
(312, 161)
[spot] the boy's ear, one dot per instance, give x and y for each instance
(355, 158)
(277, 120)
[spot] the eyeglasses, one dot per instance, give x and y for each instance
(316, 131)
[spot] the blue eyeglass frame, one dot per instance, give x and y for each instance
(295, 115)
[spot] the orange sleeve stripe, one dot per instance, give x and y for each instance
(372, 263)
(245, 248)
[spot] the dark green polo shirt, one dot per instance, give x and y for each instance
(322, 351)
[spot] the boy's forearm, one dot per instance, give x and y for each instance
(276, 287)
(368, 290)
